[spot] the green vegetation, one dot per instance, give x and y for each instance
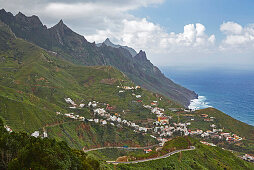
(20, 151)
(203, 157)
(229, 123)
(91, 135)
(34, 83)
(75, 48)
(112, 154)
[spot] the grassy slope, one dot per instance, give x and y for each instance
(34, 84)
(229, 123)
(91, 135)
(43, 80)
(203, 157)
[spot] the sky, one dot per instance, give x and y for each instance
(188, 34)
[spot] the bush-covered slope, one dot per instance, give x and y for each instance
(20, 151)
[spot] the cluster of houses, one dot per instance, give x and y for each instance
(207, 119)
(37, 134)
(129, 88)
(105, 118)
(248, 158)
(73, 104)
(161, 129)
(117, 119)
(216, 133)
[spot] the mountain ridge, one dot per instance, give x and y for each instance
(75, 48)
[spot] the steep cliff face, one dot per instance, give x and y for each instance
(75, 48)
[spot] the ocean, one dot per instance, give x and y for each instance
(229, 91)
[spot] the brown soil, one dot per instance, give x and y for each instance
(108, 81)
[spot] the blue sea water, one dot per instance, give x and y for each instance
(229, 91)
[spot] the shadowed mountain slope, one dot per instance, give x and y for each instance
(62, 40)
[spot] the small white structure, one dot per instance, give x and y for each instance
(82, 105)
(104, 122)
(68, 100)
(45, 135)
(35, 134)
(119, 119)
(81, 118)
(89, 104)
(8, 128)
(138, 96)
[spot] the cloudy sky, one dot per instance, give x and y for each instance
(179, 33)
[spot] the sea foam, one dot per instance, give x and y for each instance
(199, 103)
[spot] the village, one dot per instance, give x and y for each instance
(162, 129)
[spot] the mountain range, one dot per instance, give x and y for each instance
(62, 41)
(77, 95)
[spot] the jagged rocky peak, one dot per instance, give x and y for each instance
(109, 43)
(141, 56)
(32, 20)
(20, 14)
(5, 15)
(2, 11)
(60, 24)
(107, 40)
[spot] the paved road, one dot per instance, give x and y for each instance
(151, 159)
(115, 147)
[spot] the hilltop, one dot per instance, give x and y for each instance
(75, 48)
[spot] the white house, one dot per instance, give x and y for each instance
(68, 100)
(82, 105)
(104, 122)
(35, 134)
(119, 120)
(45, 135)
(138, 96)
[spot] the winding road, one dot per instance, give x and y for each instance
(120, 147)
(145, 160)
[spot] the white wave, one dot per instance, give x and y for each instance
(199, 103)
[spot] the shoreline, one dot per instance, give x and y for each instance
(201, 103)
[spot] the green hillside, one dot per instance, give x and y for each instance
(20, 151)
(203, 157)
(34, 84)
(230, 124)
(75, 48)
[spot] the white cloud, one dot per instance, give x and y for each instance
(238, 38)
(231, 28)
(100, 19)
